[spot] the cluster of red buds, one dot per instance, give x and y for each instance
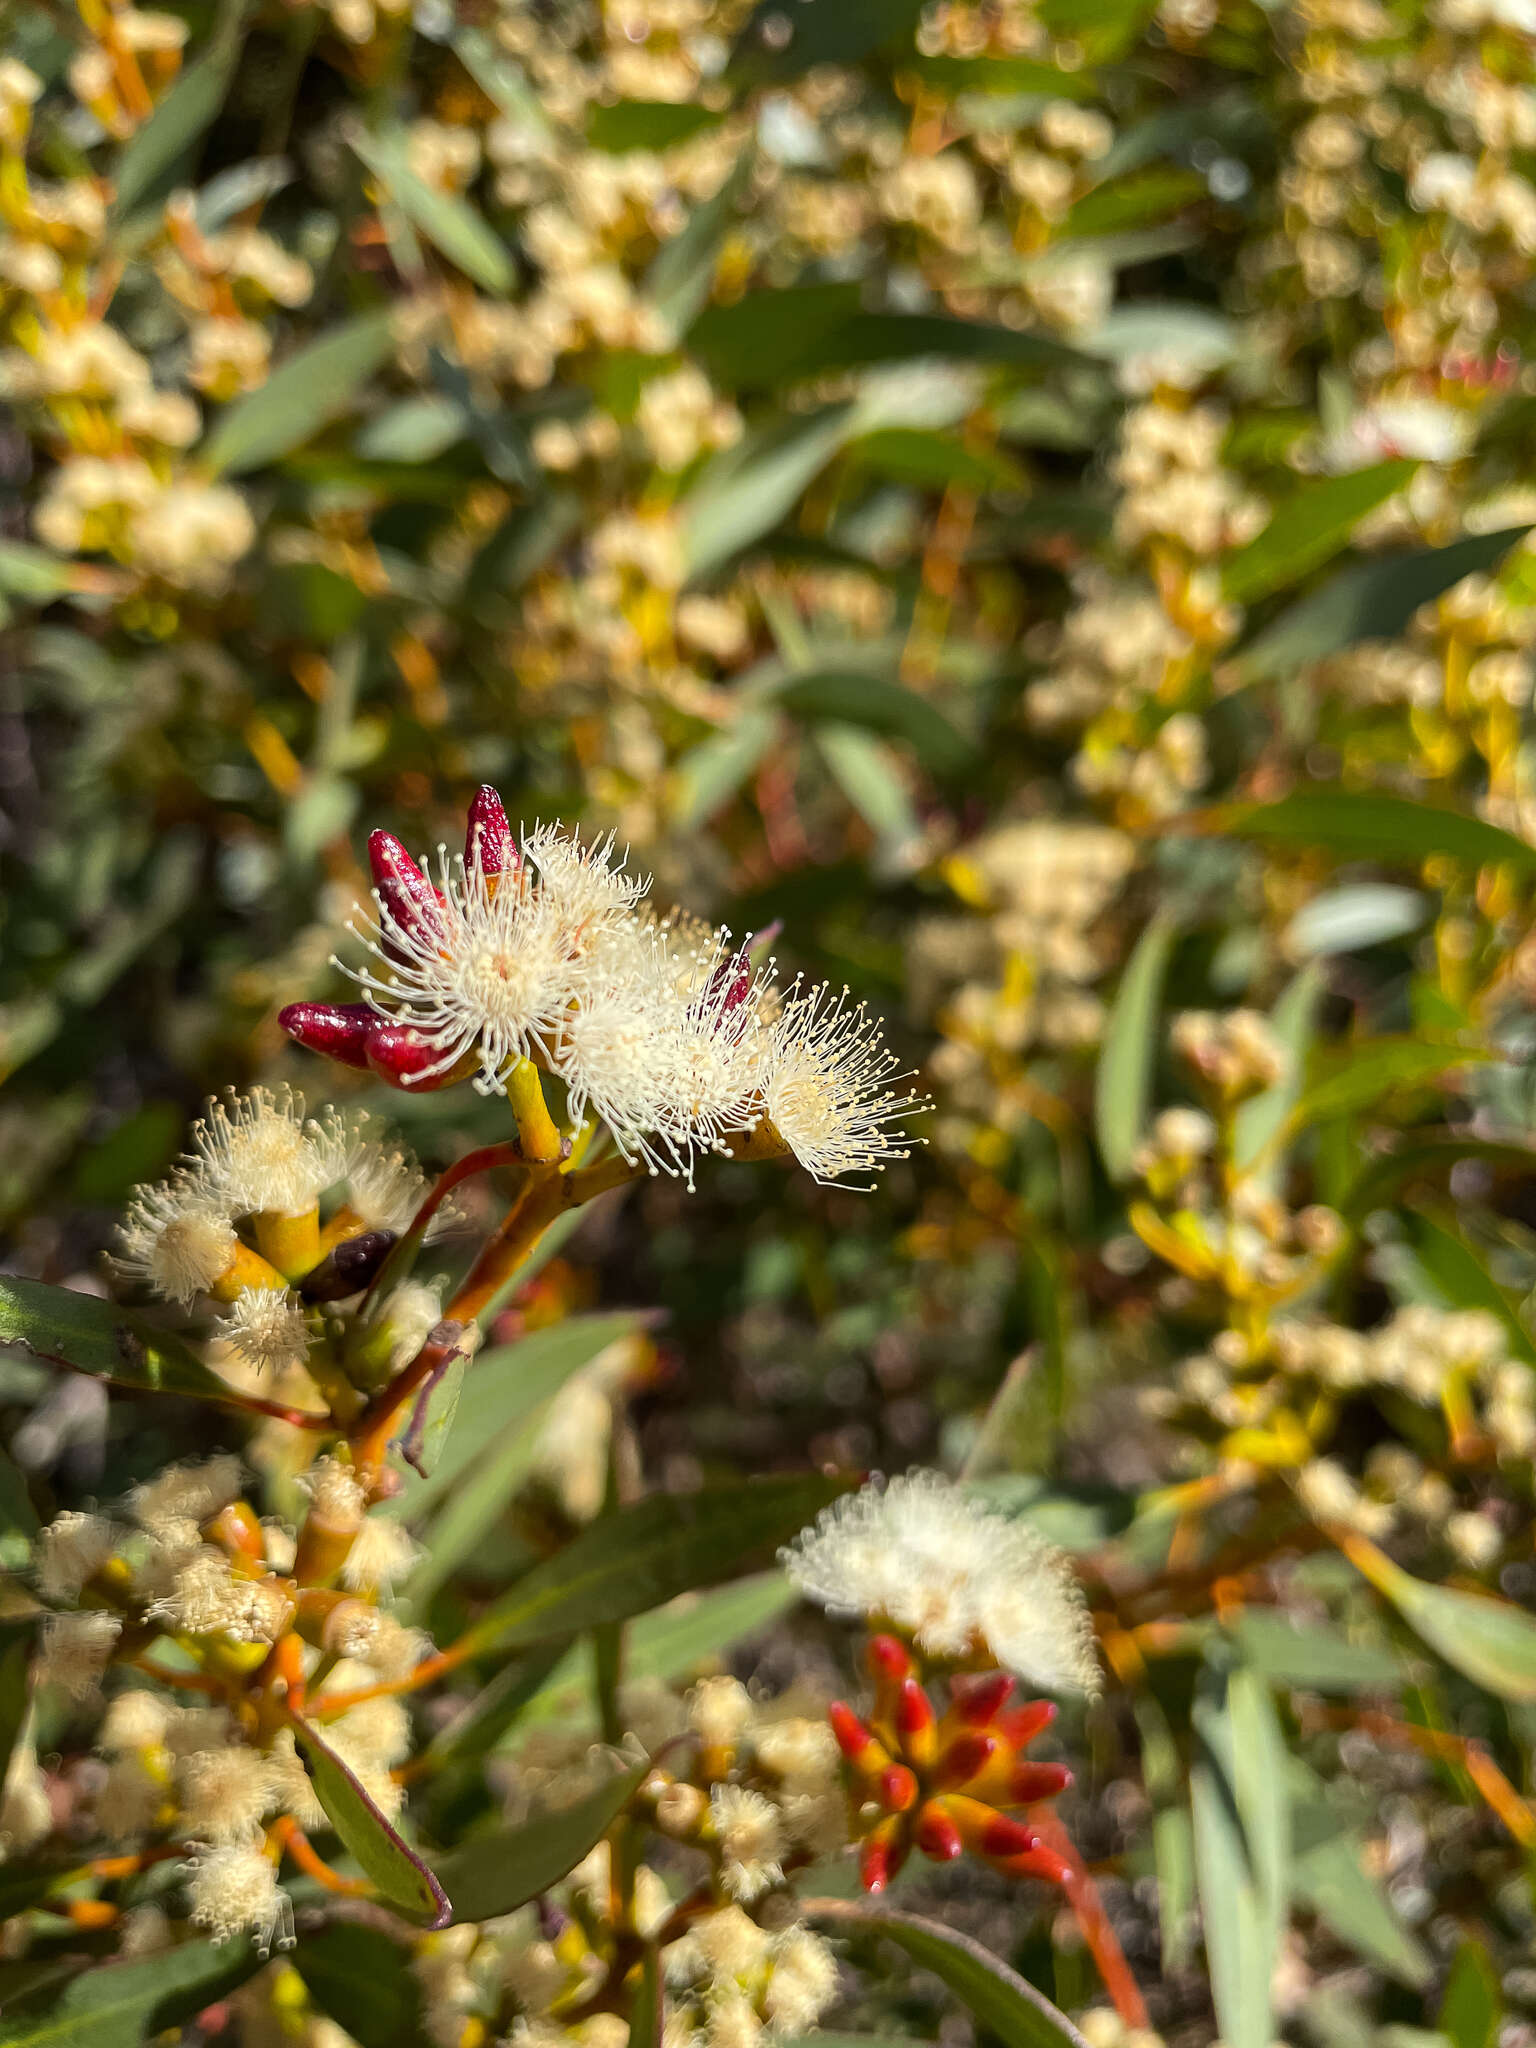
(355, 1033)
(936, 1783)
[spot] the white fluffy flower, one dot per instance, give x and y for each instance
(77, 1649)
(176, 1238)
(233, 1889)
(825, 1088)
(253, 1153)
(266, 1327)
(960, 1579)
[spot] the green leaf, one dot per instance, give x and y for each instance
(401, 1878)
(647, 124)
(1123, 1082)
(1260, 1121)
(1379, 1179)
(484, 1723)
(1312, 1655)
(179, 122)
(103, 1340)
(1173, 1846)
(504, 1387)
(1001, 2000)
(1373, 1069)
(1308, 528)
(363, 1979)
(649, 1553)
(745, 491)
(855, 697)
(1236, 1948)
(300, 397)
(1372, 601)
(1490, 1641)
(498, 1872)
(1332, 1879)
(449, 222)
(709, 775)
(1472, 2008)
(120, 2005)
(1463, 1279)
(18, 1521)
(1359, 914)
(1259, 1785)
(682, 271)
(32, 574)
(869, 775)
(1360, 824)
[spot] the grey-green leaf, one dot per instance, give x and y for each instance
(1309, 527)
(1122, 1085)
(119, 2005)
(498, 1872)
(1372, 601)
(630, 1562)
(1490, 1641)
(449, 222)
(300, 397)
(97, 1337)
(401, 1878)
(1003, 2001)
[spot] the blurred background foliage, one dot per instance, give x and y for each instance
(1031, 494)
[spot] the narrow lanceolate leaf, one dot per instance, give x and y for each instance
(1489, 1641)
(1371, 601)
(1372, 1071)
(855, 697)
(1123, 1084)
(496, 1873)
(97, 1337)
(119, 2005)
(1236, 1945)
(1460, 1275)
(645, 2015)
(402, 1879)
(1332, 1879)
(1363, 824)
(179, 123)
(299, 397)
(1309, 527)
(449, 223)
(1002, 2000)
(633, 1561)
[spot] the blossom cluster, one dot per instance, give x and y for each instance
(540, 948)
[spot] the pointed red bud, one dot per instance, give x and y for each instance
(339, 1030)
(858, 1744)
(401, 1056)
(1038, 1781)
(1024, 1723)
(1042, 1863)
(979, 1701)
(916, 1723)
(882, 1855)
(1003, 1837)
(409, 899)
(888, 1659)
(966, 1758)
(936, 1834)
(898, 1789)
(488, 840)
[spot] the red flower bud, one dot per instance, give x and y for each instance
(966, 1758)
(339, 1030)
(488, 839)
(401, 1056)
(1042, 1863)
(1003, 1837)
(936, 1834)
(916, 1724)
(857, 1743)
(1038, 1781)
(882, 1854)
(898, 1789)
(979, 1701)
(410, 902)
(888, 1659)
(1026, 1722)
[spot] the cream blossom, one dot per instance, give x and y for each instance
(962, 1580)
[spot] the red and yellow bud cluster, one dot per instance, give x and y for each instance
(937, 1783)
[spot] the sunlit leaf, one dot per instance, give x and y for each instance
(499, 1871)
(120, 2004)
(97, 1337)
(1308, 528)
(1123, 1081)
(401, 1878)
(1488, 1640)
(299, 397)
